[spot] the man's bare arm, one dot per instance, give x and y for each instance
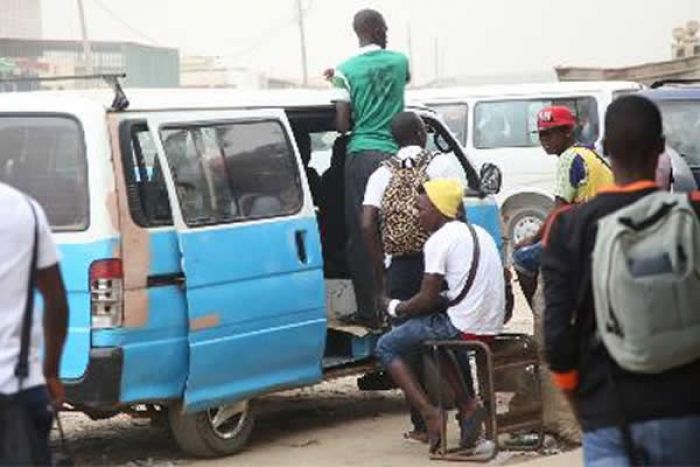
(343, 116)
(426, 300)
(50, 284)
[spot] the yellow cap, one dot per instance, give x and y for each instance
(445, 194)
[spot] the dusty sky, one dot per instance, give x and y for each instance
(474, 37)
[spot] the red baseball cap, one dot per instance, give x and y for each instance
(555, 116)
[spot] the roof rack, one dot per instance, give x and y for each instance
(120, 101)
(664, 82)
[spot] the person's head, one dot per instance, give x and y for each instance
(408, 129)
(303, 140)
(634, 138)
(439, 202)
(370, 27)
(555, 126)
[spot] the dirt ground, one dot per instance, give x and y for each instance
(332, 424)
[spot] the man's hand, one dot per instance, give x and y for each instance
(57, 392)
(329, 73)
(525, 242)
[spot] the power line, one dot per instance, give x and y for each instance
(119, 20)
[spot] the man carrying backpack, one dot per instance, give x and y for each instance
(622, 319)
(389, 220)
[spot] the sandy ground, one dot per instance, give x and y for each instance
(327, 425)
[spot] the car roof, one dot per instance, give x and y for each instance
(669, 93)
(176, 99)
(526, 89)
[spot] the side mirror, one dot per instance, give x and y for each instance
(491, 179)
(441, 143)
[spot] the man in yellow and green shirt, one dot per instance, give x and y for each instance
(581, 173)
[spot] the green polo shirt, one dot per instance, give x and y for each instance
(375, 81)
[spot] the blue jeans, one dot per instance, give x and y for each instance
(667, 441)
(410, 335)
(527, 259)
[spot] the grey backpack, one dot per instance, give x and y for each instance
(646, 283)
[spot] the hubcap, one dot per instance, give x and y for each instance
(526, 228)
(227, 421)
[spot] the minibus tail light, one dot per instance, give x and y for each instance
(106, 293)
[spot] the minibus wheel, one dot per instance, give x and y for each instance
(219, 431)
(523, 222)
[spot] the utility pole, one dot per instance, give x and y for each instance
(302, 37)
(436, 51)
(411, 65)
(87, 51)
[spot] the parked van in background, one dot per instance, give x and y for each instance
(498, 124)
(192, 248)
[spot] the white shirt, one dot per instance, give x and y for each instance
(16, 237)
(440, 167)
(448, 252)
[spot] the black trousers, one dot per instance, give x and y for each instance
(31, 446)
(358, 168)
(403, 280)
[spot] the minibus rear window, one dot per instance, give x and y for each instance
(44, 156)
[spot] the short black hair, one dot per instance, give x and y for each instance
(405, 126)
(366, 21)
(633, 130)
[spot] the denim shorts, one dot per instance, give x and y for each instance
(527, 259)
(411, 334)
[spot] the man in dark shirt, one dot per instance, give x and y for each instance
(661, 412)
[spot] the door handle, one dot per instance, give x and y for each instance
(300, 240)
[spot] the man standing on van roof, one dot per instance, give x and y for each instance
(581, 173)
(654, 417)
(373, 82)
(25, 240)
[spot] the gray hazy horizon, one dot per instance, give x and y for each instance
(474, 38)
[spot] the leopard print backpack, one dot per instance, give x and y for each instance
(401, 232)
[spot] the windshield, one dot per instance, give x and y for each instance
(44, 156)
(682, 128)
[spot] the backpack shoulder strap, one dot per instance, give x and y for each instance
(476, 257)
(22, 367)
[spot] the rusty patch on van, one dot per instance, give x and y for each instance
(211, 320)
(135, 242)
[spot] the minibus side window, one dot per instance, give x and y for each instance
(455, 117)
(44, 157)
(513, 123)
(233, 172)
(148, 195)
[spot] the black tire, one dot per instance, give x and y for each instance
(516, 217)
(196, 435)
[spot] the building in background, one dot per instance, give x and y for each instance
(145, 66)
(214, 72)
(20, 19)
(684, 63)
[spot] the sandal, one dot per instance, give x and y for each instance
(471, 428)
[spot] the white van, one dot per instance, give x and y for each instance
(497, 124)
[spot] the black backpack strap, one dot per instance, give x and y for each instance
(22, 367)
(476, 258)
